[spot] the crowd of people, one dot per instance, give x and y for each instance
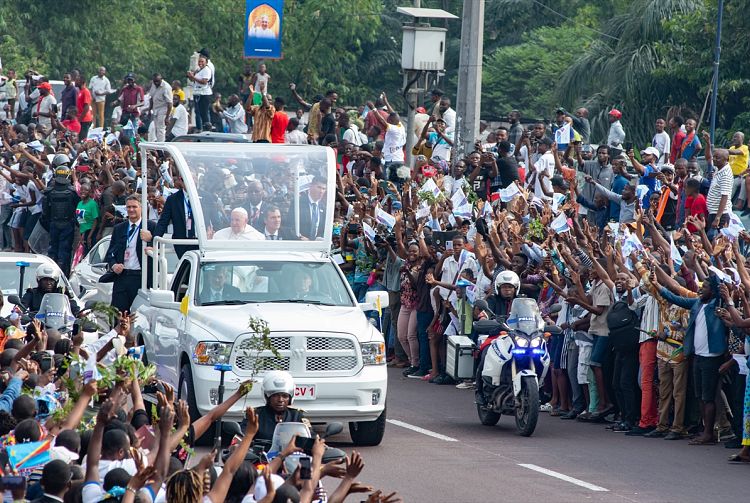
(596, 233)
(641, 249)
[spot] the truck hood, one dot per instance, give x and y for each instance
(227, 322)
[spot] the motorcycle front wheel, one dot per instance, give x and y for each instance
(528, 413)
(487, 417)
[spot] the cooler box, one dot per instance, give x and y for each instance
(459, 358)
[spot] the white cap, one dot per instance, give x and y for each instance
(650, 150)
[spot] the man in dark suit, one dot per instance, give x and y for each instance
(178, 211)
(55, 482)
(255, 204)
(272, 229)
(215, 286)
(312, 209)
(124, 255)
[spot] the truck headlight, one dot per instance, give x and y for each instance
(211, 352)
(373, 353)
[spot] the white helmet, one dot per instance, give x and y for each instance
(507, 278)
(48, 271)
(278, 381)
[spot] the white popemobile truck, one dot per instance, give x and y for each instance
(200, 318)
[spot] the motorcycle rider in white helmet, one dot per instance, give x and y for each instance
(507, 287)
(278, 390)
(48, 281)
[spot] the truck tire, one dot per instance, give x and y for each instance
(187, 392)
(368, 433)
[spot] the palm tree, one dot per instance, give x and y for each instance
(620, 68)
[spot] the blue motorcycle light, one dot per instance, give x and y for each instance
(22, 263)
(518, 351)
(538, 351)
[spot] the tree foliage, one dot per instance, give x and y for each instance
(526, 75)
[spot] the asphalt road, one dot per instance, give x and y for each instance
(435, 450)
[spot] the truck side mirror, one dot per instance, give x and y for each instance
(162, 298)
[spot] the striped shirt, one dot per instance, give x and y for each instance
(721, 185)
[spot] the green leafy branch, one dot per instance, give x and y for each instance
(429, 197)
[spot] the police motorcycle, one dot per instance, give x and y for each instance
(515, 365)
(52, 308)
(262, 450)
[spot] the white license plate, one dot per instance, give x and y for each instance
(304, 392)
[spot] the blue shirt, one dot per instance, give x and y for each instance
(691, 148)
(650, 182)
(618, 184)
(12, 391)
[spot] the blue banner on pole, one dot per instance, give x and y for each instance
(263, 23)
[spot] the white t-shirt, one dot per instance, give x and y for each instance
(295, 137)
(45, 107)
(353, 136)
(261, 82)
(662, 143)
(32, 188)
(203, 89)
(700, 341)
(180, 114)
(21, 192)
(450, 271)
(393, 146)
(545, 164)
(449, 116)
(116, 114)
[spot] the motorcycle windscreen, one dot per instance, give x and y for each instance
(525, 316)
(54, 311)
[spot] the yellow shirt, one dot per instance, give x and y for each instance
(739, 162)
(313, 121)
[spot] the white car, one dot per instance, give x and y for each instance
(202, 317)
(11, 265)
(85, 275)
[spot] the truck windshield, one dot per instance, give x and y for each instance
(226, 283)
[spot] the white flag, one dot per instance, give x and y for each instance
(459, 198)
(560, 224)
(430, 186)
(508, 193)
(385, 218)
(369, 232)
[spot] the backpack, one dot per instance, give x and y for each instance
(624, 327)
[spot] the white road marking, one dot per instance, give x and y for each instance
(421, 430)
(564, 477)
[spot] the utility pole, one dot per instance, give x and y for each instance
(469, 99)
(717, 55)
(411, 104)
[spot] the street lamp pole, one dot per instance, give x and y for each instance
(717, 55)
